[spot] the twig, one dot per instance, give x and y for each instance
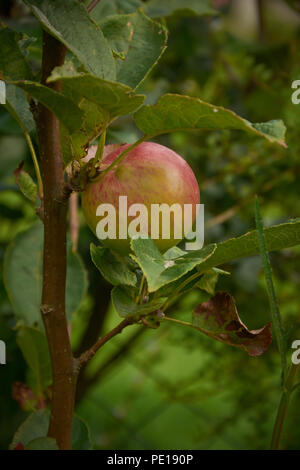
(92, 5)
(87, 382)
(87, 355)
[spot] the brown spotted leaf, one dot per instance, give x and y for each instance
(219, 319)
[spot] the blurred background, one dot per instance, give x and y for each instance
(173, 388)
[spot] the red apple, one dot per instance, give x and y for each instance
(149, 174)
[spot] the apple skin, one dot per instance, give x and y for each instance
(150, 174)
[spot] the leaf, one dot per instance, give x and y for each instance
(70, 23)
(177, 112)
(26, 183)
(81, 439)
(23, 276)
(209, 280)
(138, 43)
(114, 271)
(158, 270)
(219, 319)
(125, 305)
(18, 106)
(13, 64)
(277, 237)
(114, 7)
(36, 427)
(34, 347)
(158, 8)
(100, 101)
(42, 443)
(116, 99)
(64, 108)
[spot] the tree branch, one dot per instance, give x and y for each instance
(87, 355)
(54, 266)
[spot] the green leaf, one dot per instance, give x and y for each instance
(219, 319)
(36, 427)
(64, 108)
(70, 23)
(124, 303)
(81, 439)
(138, 43)
(34, 347)
(17, 105)
(209, 280)
(13, 64)
(158, 270)
(114, 98)
(42, 443)
(23, 276)
(100, 101)
(158, 8)
(26, 184)
(176, 112)
(114, 271)
(114, 7)
(277, 238)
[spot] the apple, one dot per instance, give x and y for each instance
(150, 174)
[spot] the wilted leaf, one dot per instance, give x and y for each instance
(113, 270)
(80, 33)
(125, 305)
(26, 397)
(138, 43)
(219, 319)
(177, 112)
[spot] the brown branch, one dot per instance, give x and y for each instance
(92, 5)
(54, 266)
(87, 355)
